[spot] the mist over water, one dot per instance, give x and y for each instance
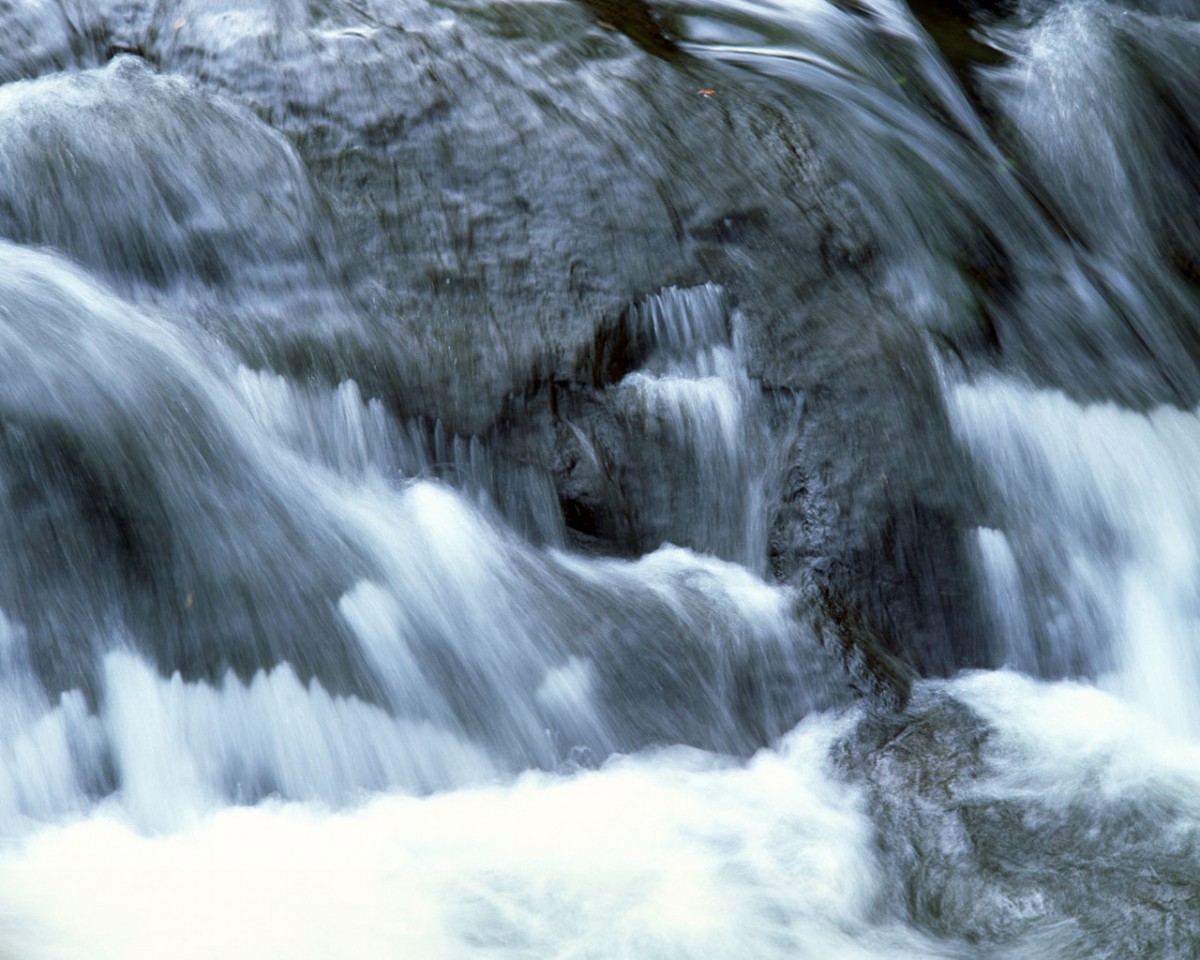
(520, 480)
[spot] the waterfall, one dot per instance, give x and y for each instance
(697, 405)
(528, 480)
(1095, 571)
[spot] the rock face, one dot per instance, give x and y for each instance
(461, 206)
(144, 179)
(972, 849)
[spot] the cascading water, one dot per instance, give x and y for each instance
(695, 401)
(410, 551)
(475, 643)
(1096, 572)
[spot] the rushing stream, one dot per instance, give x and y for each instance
(700, 479)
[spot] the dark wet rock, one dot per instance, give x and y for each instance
(955, 28)
(494, 188)
(129, 486)
(507, 179)
(1095, 873)
(153, 183)
(636, 20)
(876, 506)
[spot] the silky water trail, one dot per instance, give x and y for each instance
(459, 738)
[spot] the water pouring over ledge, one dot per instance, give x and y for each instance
(430, 518)
(399, 597)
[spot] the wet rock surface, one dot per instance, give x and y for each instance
(972, 850)
(481, 194)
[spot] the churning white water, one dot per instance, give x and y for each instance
(288, 671)
(1097, 568)
(679, 854)
(673, 854)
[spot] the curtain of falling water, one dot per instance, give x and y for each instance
(286, 673)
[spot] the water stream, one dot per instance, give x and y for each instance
(306, 651)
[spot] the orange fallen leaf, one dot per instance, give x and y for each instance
(706, 93)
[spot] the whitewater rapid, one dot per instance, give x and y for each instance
(675, 853)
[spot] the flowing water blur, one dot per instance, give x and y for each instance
(286, 672)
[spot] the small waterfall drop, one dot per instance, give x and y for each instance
(450, 452)
(1098, 555)
(702, 415)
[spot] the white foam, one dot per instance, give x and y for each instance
(183, 748)
(677, 855)
(1070, 742)
(1104, 528)
(47, 750)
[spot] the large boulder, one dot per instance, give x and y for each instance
(151, 182)
(499, 188)
(984, 840)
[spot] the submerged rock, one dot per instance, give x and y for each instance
(152, 182)
(976, 849)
